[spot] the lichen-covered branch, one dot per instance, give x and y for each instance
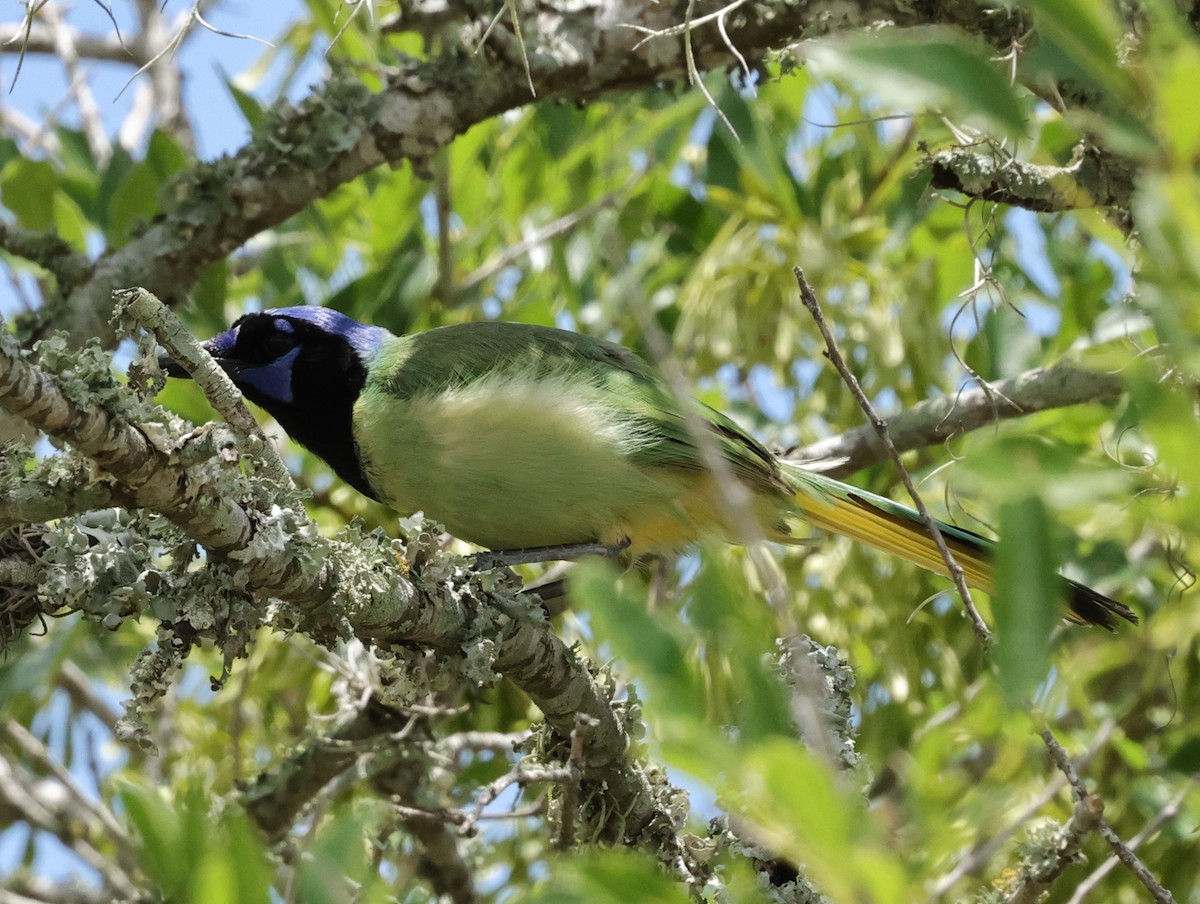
(938, 420)
(1050, 851)
(47, 250)
(152, 474)
(263, 544)
(57, 487)
(990, 842)
(574, 52)
(1094, 178)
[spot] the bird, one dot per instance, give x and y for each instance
(515, 436)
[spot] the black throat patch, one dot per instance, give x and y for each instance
(312, 395)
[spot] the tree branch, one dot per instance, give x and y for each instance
(343, 130)
(22, 797)
(1032, 885)
(1094, 178)
(39, 37)
(938, 420)
(1123, 852)
(48, 251)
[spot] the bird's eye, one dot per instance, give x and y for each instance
(278, 344)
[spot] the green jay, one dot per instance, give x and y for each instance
(516, 436)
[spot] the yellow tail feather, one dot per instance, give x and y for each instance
(906, 539)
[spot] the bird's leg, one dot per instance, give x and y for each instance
(569, 552)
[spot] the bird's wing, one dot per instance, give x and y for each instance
(660, 435)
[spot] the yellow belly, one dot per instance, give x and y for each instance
(506, 463)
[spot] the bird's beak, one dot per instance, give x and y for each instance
(172, 368)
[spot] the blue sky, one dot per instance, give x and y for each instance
(207, 58)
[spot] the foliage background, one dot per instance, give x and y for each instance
(639, 215)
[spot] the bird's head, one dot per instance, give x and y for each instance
(279, 356)
(306, 366)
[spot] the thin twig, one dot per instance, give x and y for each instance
(193, 18)
(516, 24)
(689, 55)
(686, 28)
(1163, 816)
(156, 318)
(510, 7)
(494, 741)
(227, 34)
(518, 776)
(563, 224)
(31, 10)
(570, 801)
(85, 101)
(652, 33)
(32, 748)
(982, 852)
(1087, 815)
(1124, 853)
(357, 5)
(809, 298)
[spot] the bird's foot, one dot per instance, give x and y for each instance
(506, 558)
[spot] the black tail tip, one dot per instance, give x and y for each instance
(1089, 607)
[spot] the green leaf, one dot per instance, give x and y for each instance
(1185, 759)
(119, 165)
(738, 631)
(654, 650)
(1177, 122)
(1058, 472)
(208, 297)
(134, 201)
(608, 877)
(165, 155)
(164, 856)
(76, 153)
(1027, 598)
(802, 809)
(27, 188)
(337, 855)
(9, 150)
(215, 881)
(251, 109)
(1088, 33)
(69, 221)
(924, 68)
(253, 870)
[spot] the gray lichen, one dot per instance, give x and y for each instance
(800, 658)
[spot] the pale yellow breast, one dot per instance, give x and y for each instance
(508, 462)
